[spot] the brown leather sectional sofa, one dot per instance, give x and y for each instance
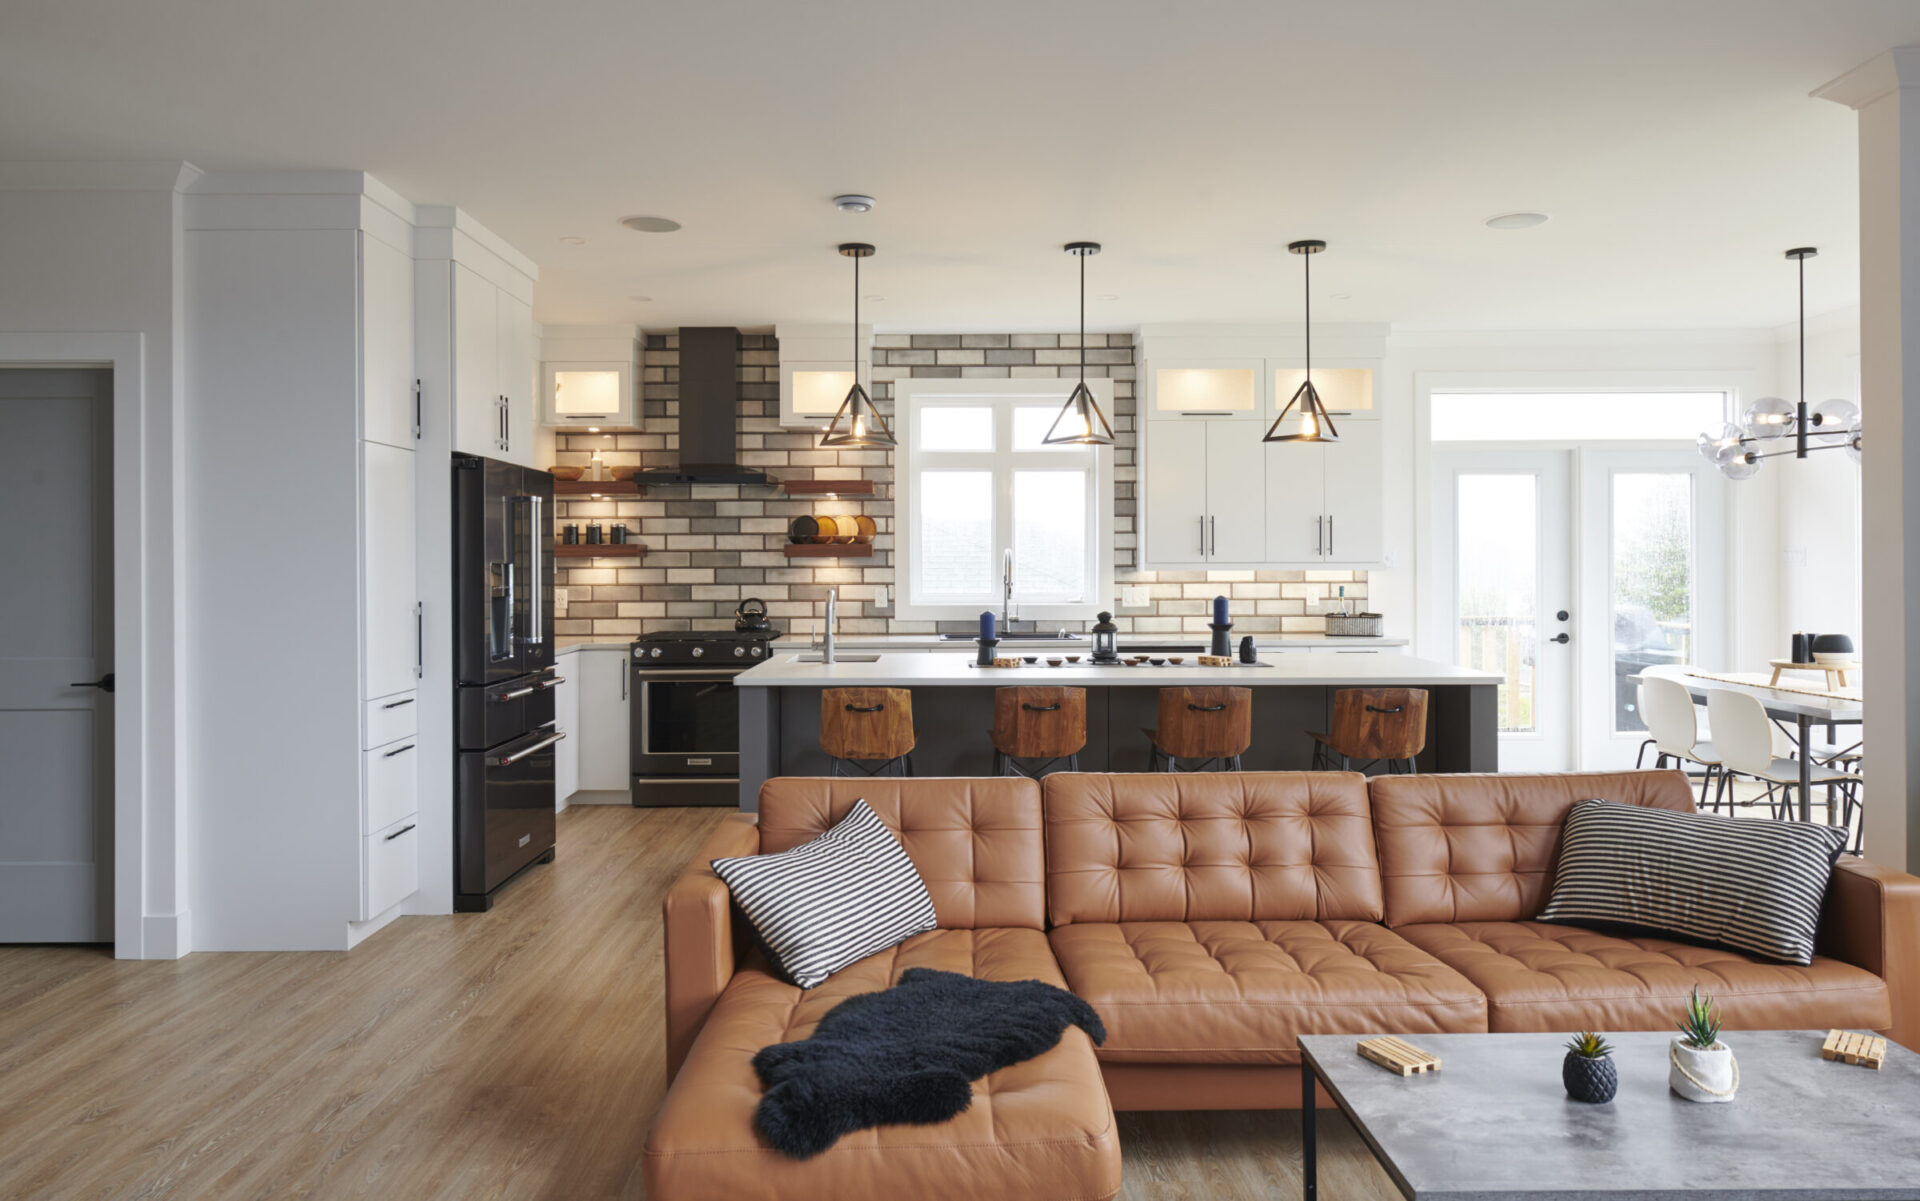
(1211, 919)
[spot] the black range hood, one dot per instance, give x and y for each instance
(709, 412)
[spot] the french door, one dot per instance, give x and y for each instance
(1568, 571)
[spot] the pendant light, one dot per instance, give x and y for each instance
(1771, 418)
(1314, 423)
(857, 423)
(1081, 423)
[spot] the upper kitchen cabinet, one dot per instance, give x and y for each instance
(1324, 499)
(1346, 391)
(589, 376)
(391, 391)
(817, 370)
(1200, 510)
(1205, 389)
(493, 390)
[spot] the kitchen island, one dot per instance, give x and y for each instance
(953, 709)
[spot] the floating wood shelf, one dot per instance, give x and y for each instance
(597, 488)
(827, 487)
(604, 550)
(829, 550)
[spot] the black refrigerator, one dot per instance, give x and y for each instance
(504, 679)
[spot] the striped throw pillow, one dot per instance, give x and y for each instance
(848, 894)
(1748, 884)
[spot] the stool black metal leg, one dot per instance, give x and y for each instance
(1309, 1170)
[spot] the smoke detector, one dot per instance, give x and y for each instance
(650, 225)
(852, 202)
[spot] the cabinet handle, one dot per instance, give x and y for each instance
(397, 704)
(397, 833)
(1329, 534)
(1213, 536)
(1203, 535)
(1319, 535)
(1206, 413)
(419, 642)
(399, 750)
(623, 679)
(419, 428)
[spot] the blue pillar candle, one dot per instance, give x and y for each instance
(1220, 610)
(986, 626)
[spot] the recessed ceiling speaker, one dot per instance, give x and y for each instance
(651, 225)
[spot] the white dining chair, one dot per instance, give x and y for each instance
(1744, 740)
(1674, 725)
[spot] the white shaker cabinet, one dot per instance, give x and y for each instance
(392, 414)
(1355, 489)
(602, 675)
(1203, 493)
(391, 647)
(493, 370)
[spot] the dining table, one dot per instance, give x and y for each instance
(1805, 708)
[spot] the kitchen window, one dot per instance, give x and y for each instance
(976, 480)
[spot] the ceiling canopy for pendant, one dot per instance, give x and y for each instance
(857, 423)
(1080, 421)
(1305, 418)
(1770, 418)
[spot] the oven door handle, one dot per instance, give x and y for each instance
(682, 673)
(517, 756)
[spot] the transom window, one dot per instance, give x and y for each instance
(976, 480)
(1604, 416)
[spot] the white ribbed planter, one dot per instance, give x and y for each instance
(1706, 1076)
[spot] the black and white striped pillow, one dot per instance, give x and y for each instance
(846, 895)
(1751, 885)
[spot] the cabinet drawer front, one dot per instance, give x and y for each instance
(389, 868)
(391, 784)
(390, 717)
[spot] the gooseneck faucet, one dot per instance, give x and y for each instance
(826, 633)
(1006, 590)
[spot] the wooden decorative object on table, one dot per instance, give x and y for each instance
(1216, 660)
(1397, 1055)
(1836, 672)
(1865, 1050)
(1007, 661)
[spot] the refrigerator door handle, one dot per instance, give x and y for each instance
(517, 756)
(537, 631)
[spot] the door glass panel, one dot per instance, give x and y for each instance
(586, 393)
(1050, 536)
(1652, 555)
(955, 553)
(1497, 580)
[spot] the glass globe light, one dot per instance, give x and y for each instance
(1736, 462)
(1710, 443)
(1853, 441)
(1835, 416)
(1769, 417)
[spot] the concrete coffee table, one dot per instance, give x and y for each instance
(1494, 1123)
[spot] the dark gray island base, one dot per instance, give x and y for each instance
(780, 712)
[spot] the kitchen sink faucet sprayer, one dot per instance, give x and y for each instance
(1006, 590)
(826, 633)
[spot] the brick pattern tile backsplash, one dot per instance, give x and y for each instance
(711, 546)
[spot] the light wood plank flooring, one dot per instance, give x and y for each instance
(514, 1054)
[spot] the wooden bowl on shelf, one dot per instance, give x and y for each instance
(566, 473)
(803, 529)
(866, 528)
(846, 529)
(826, 530)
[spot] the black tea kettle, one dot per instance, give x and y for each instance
(751, 616)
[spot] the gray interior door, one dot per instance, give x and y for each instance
(56, 606)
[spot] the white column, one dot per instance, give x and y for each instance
(1886, 94)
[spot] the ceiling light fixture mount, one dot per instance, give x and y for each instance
(1524, 219)
(641, 223)
(854, 202)
(857, 423)
(1315, 425)
(1770, 418)
(1080, 421)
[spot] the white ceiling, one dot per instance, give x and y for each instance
(1673, 142)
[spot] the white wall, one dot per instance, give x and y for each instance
(1740, 360)
(96, 248)
(1819, 510)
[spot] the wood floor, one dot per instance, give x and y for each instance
(514, 1054)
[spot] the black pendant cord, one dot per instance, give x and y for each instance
(1800, 423)
(856, 321)
(1308, 288)
(1083, 320)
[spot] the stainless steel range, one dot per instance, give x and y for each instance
(685, 742)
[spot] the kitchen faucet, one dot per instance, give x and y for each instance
(826, 632)
(1006, 590)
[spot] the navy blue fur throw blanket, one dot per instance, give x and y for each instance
(908, 1054)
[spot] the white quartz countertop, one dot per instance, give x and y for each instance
(924, 642)
(911, 670)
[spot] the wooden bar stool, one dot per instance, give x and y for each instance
(862, 726)
(1213, 725)
(1373, 725)
(1047, 724)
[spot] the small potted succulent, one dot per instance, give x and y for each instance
(1700, 1066)
(1588, 1070)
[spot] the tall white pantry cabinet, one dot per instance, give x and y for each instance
(303, 421)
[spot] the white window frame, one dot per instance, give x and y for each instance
(911, 395)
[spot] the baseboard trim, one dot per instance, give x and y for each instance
(166, 935)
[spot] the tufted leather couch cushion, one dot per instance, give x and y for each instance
(976, 842)
(1481, 848)
(1244, 992)
(1039, 1130)
(1541, 977)
(1254, 846)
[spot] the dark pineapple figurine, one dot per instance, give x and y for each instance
(1588, 1070)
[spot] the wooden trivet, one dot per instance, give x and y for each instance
(1398, 1056)
(1862, 1049)
(1216, 660)
(1012, 662)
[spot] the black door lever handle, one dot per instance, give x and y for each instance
(104, 683)
(1562, 639)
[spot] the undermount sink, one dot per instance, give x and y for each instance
(838, 658)
(1017, 637)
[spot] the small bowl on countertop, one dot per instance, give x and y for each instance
(1158, 662)
(1073, 658)
(1029, 660)
(1054, 660)
(1176, 660)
